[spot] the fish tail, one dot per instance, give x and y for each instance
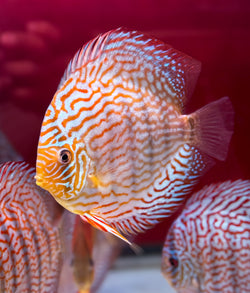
(212, 128)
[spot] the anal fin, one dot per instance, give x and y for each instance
(102, 225)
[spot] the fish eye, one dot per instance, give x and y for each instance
(64, 156)
(174, 262)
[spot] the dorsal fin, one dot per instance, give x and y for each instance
(179, 70)
(88, 52)
(18, 172)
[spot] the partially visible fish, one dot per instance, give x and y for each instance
(106, 249)
(30, 247)
(77, 270)
(115, 147)
(82, 250)
(88, 254)
(23, 49)
(7, 151)
(207, 248)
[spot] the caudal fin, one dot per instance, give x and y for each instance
(214, 124)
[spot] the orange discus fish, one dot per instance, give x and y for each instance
(114, 146)
(30, 248)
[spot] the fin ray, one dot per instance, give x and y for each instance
(100, 224)
(214, 125)
(179, 70)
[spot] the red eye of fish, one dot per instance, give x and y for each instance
(174, 262)
(64, 156)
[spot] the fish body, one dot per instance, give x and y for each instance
(30, 249)
(115, 146)
(207, 248)
(88, 254)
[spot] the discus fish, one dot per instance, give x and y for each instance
(30, 249)
(7, 151)
(88, 255)
(114, 145)
(106, 249)
(207, 248)
(82, 250)
(77, 272)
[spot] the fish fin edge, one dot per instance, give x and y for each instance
(102, 225)
(213, 126)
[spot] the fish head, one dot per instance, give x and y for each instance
(171, 266)
(177, 265)
(62, 165)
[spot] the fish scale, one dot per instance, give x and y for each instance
(117, 115)
(210, 241)
(29, 245)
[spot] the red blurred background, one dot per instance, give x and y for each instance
(38, 38)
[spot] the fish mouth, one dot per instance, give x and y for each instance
(39, 180)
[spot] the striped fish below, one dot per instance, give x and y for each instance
(115, 146)
(30, 247)
(207, 248)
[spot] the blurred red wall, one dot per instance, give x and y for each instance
(38, 38)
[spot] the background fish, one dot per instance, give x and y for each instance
(88, 255)
(106, 249)
(207, 248)
(7, 152)
(82, 262)
(30, 248)
(78, 268)
(114, 146)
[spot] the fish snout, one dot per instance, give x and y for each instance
(39, 180)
